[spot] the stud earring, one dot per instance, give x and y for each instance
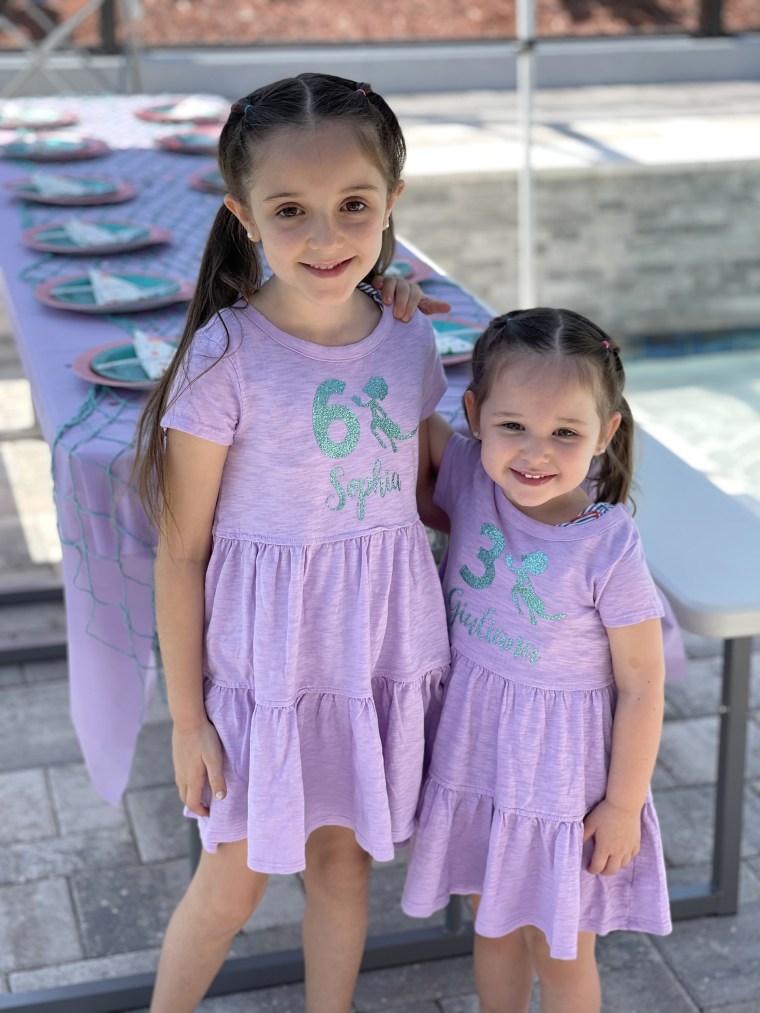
(249, 236)
(476, 434)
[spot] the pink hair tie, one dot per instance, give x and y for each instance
(362, 91)
(606, 344)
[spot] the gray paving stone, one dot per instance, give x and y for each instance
(267, 940)
(701, 647)
(46, 671)
(60, 856)
(35, 727)
(286, 999)
(716, 959)
(10, 675)
(37, 925)
(460, 1004)
(635, 979)
(385, 914)
(128, 908)
(699, 694)
(160, 829)
(689, 750)
(78, 806)
(433, 980)
(686, 818)
(120, 965)
(283, 904)
(28, 813)
(152, 764)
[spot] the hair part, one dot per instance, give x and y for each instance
(571, 339)
(231, 266)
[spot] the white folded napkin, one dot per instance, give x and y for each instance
(195, 106)
(50, 184)
(154, 353)
(447, 345)
(13, 112)
(86, 234)
(108, 288)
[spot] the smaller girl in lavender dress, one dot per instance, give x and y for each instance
(537, 801)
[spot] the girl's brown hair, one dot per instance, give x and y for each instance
(564, 334)
(231, 266)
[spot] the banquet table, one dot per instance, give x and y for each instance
(108, 546)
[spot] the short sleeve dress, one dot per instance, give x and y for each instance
(325, 633)
(522, 750)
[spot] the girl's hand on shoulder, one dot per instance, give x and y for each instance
(406, 297)
(198, 763)
(617, 837)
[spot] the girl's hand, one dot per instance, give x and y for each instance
(197, 763)
(617, 837)
(406, 297)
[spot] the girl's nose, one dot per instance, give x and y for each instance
(324, 233)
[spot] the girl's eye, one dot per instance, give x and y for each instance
(564, 433)
(354, 205)
(512, 427)
(288, 212)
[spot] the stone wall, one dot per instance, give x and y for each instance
(644, 251)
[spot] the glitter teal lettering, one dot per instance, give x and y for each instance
(360, 488)
(487, 557)
(458, 611)
(323, 415)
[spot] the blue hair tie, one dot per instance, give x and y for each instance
(245, 110)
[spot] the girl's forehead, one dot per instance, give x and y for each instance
(530, 378)
(312, 151)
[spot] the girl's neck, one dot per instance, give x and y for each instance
(332, 325)
(560, 510)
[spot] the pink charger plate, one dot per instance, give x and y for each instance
(89, 147)
(154, 237)
(83, 369)
(183, 294)
(122, 191)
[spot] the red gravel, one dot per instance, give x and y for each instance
(242, 22)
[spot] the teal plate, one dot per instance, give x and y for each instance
(461, 330)
(114, 365)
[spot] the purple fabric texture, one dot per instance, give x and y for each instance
(522, 749)
(325, 639)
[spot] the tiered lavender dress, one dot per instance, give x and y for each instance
(325, 640)
(522, 749)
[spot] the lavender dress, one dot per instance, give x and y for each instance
(325, 631)
(522, 750)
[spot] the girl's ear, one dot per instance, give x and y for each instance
(392, 200)
(472, 413)
(608, 432)
(241, 213)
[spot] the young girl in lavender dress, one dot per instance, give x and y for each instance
(300, 615)
(537, 801)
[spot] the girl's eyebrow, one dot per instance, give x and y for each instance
(517, 415)
(294, 195)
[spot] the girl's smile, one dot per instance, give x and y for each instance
(540, 429)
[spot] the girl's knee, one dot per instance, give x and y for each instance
(555, 971)
(225, 891)
(335, 863)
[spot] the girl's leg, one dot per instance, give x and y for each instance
(503, 971)
(221, 897)
(567, 986)
(335, 919)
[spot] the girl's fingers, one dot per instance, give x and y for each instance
(429, 306)
(193, 801)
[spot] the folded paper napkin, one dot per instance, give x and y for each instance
(194, 107)
(17, 112)
(51, 185)
(86, 234)
(110, 288)
(448, 343)
(154, 354)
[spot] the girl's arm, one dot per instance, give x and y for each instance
(434, 434)
(194, 472)
(639, 667)
(406, 296)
